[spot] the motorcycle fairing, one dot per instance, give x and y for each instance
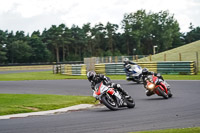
(100, 88)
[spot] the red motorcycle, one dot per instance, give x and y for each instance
(157, 86)
(112, 98)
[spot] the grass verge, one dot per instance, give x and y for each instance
(44, 75)
(179, 130)
(48, 75)
(23, 103)
(166, 77)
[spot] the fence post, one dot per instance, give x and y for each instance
(116, 59)
(136, 58)
(150, 58)
(180, 57)
(165, 57)
(197, 60)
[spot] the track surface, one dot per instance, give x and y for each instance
(181, 111)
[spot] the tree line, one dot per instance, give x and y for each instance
(138, 34)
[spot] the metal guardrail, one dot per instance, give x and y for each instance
(175, 67)
(181, 67)
(159, 67)
(70, 69)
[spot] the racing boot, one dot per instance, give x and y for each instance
(118, 87)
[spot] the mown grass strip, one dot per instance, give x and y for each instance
(180, 130)
(166, 77)
(23, 103)
(44, 75)
(48, 75)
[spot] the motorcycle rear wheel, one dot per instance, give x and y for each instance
(112, 105)
(162, 93)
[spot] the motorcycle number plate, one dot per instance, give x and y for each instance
(111, 91)
(103, 88)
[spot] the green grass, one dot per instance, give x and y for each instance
(188, 53)
(182, 77)
(48, 75)
(23, 103)
(166, 77)
(180, 130)
(45, 75)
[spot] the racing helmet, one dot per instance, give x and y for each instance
(91, 75)
(145, 71)
(126, 60)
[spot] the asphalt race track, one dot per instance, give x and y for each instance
(181, 111)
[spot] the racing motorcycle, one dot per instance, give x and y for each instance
(112, 98)
(133, 73)
(157, 86)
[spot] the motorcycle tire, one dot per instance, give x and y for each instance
(138, 82)
(130, 103)
(112, 105)
(162, 93)
(169, 94)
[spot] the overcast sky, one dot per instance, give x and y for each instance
(32, 15)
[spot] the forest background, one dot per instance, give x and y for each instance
(138, 33)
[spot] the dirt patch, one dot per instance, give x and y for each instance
(31, 108)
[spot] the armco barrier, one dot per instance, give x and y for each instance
(114, 69)
(152, 66)
(181, 67)
(73, 69)
(158, 67)
(118, 69)
(100, 68)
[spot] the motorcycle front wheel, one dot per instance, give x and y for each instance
(109, 103)
(162, 93)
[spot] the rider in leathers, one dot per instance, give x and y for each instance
(145, 73)
(97, 78)
(127, 65)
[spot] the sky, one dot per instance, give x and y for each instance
(33, 15)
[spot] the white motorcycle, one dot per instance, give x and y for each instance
(133, 73)
(112, 98)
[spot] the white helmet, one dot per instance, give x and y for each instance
(125, 60)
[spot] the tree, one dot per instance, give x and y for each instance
(53, 38)
(39, 53)
(3, 47)
(21, 52)
(110, 33)
(192, 35)
(144, 30)
(98, 40)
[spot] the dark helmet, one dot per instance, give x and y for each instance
(145, 71)
(91, 75)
